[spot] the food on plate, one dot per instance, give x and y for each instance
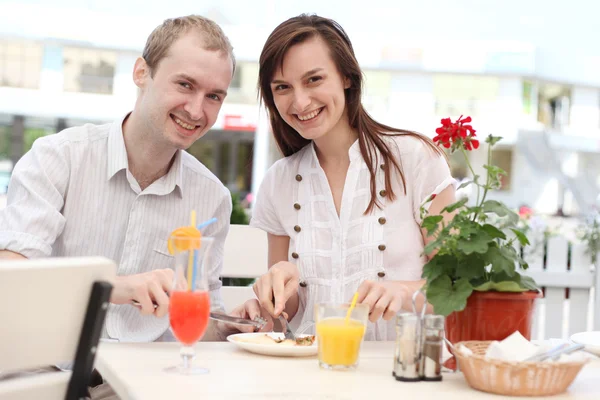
(268, 339)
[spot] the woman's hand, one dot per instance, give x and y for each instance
(384, 299)
(277, 286)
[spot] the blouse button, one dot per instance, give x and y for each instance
(297, 206)
(381, 274)
(303, 284)
(295, 255)
(297, 228)
(382, 166)
(382, 193)
(381, 247)
(298, 177)
(382, 220)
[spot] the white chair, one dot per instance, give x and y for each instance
(246, 256)
(52, 311)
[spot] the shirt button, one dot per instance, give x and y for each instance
(382, 220)
(381, 247)
(295, 255)
(297, 228)
(381, 274)
(298, 177)
(302, 284)
(382, 193)
(382, 166)
(297, 206)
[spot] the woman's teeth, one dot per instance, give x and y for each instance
(311, 115)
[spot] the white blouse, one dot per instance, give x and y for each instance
(336, 254)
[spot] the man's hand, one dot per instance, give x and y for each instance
(249, 310)
(11, 255)
(275, 288)
(146, 288)
(383, 298)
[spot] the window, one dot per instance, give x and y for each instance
(89, 70)
(464, 95)
(20, 64)
(236, 81)
(554, 105)
(502, 158)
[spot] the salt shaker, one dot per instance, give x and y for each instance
(431, 355)
(408, 347)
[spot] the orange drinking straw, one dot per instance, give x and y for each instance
(352, 305)
(191, 254)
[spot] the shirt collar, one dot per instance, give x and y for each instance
(117, 161)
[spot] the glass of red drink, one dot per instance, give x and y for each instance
(189, 305)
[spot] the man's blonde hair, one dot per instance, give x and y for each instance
(163, 36)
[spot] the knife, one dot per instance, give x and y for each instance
(257, 322)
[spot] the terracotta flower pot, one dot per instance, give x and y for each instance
(492, 316)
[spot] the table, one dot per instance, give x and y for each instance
(135, 371)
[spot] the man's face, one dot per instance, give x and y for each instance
(180, 103)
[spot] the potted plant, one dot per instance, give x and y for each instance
(472, 276)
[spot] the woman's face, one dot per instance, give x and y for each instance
(308, 90)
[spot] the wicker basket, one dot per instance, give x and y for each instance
(514, 378)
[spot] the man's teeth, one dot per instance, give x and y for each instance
(309, 116)
(183, 124)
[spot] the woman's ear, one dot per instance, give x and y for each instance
(347, 83)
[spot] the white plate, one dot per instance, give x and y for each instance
(591, 341)
(275, 349)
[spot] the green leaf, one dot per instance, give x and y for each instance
(447, 297)
(439, 265)
(504, 286)
(431, 223)
(527, 282)
(464, 185)
(494, 170)
(471, 267)
(501, 210)
(520, 236)
(502, 260)
(492, 140)
(493, 231)
(455, 206)
(477, 243)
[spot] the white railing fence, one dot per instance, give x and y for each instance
(569, 279)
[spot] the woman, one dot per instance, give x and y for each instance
(342, 208)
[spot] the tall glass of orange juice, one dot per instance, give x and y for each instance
(339, 338)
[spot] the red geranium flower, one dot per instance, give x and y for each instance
(455, 134)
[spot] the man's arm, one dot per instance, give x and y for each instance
(32, 219)
(11, 255)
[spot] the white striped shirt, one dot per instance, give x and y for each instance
(73, 195)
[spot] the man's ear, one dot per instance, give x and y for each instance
(141, 72)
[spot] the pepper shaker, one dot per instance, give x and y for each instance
(431, 355)
(408, 347)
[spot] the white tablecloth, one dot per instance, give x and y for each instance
(136, 372)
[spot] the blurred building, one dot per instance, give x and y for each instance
(549, 118)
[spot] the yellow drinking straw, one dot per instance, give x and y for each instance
(352, 305)
(191, 255)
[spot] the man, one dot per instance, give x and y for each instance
(118, 190)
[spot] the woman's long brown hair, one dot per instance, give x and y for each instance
(370, 132)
